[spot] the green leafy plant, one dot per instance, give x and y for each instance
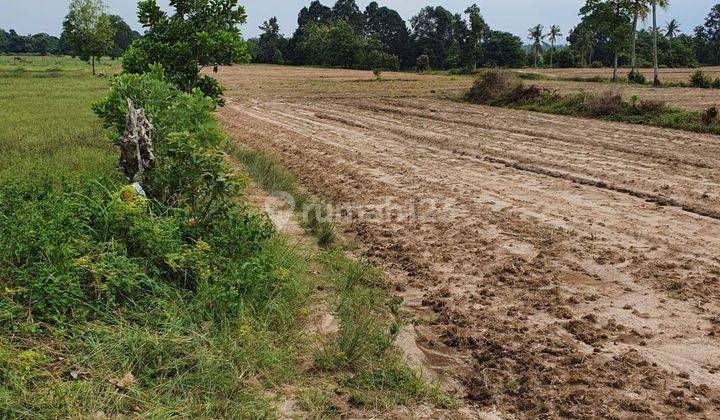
(198, 34)
(423, 63)
(700, 80)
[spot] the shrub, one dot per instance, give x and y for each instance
(636, 77)
(382, 61)
(700, 80)
(650, 107)
(716, 83)
(492, 87)
(596, 64)
(423, 63)
(710, 115)
(603, 104)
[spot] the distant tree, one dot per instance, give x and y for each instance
(88, 29)
(432, 32)
(343, 45)
(197, 34)
(503, 49)
(536, 35)
(44, 44)
(317, 12)
(672, 28)
(4, 43)
(566, 58)
(124, 36)
(388, 28)
(640, 11)
(349, 11)
(553, 35)
(707, 38)
(611, 21)
(479, 29)
(664, 4)
(270, 43)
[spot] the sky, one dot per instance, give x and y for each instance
(515, 16)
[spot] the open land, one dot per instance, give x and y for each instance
(576, 268)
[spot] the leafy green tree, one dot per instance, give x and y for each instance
(343, 45)
(88, 29)
(317, 12)
(479, 29)
(503, 49)
(553, 35)
(388, 28)
(197, 34)
(349, 11)
(124, 36)
(432, 32)
(612, 20)
(270, 43)
(536, 35)
(640, 11)
(707, 38)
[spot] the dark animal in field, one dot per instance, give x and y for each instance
(18, 59)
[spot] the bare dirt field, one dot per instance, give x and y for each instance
(575, 271)
(666, 75)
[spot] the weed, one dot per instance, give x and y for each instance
(710, 116)
(700, 80)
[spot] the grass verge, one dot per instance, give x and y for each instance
(500, 88)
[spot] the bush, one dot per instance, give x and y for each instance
(492, 87)
(596, 64)
(710, 115)
(650, 107)
(604, 104)
(423, 63)
(716, 83)
(700, 80)
(383, 61)
(636, 77)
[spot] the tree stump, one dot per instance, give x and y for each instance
(136, 148)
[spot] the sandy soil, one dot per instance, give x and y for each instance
(666, 75)
(576, 269)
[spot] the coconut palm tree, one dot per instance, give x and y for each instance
(640, 12)
(664, 4)
(553, 35)
(536, 35)
(672, 28)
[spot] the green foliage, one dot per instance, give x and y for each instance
(378, 60)
(422, 63)
(123, 37)
(89, 29)
(198, 34)
(501, 89)
(635, 76)
(700, 80)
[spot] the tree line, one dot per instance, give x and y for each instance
(378, 37)
(107, 35)
(609, 34)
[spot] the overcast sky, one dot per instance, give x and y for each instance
(516, 16)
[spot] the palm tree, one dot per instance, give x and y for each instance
(672, 28)
(553, 35)
(640, 12)
(664, 4)
(536, 35)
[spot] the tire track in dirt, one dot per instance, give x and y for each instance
(545, 295)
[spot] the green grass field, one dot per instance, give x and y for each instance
(48, 126)
(165, 355)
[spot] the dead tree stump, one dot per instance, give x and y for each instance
(136, 148)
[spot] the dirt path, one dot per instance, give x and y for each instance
(573, 267)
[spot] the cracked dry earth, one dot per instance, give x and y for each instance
(576, 272)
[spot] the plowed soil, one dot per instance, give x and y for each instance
(575, 271)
